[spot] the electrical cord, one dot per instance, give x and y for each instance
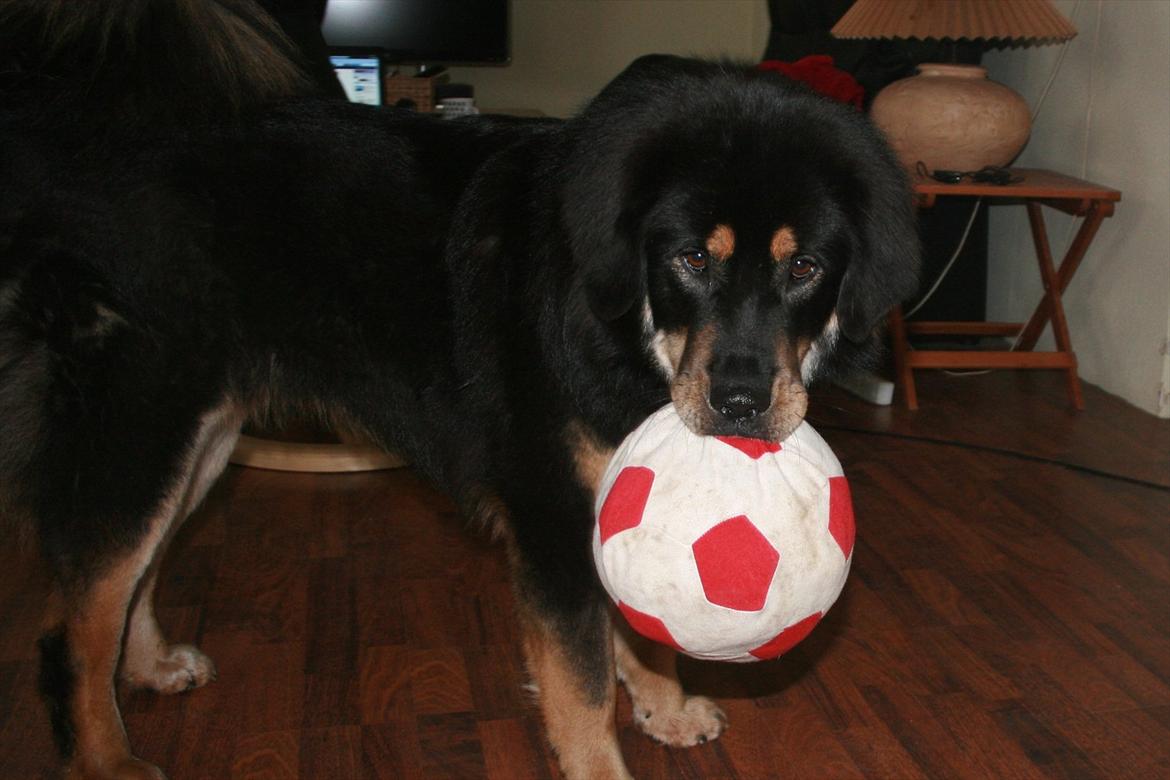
(1059, 60)
(975, 210)
(943, 275)
(947, 268)
(1090, 470)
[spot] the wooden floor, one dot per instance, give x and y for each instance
(1007, 616)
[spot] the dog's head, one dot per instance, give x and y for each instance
(758, 232)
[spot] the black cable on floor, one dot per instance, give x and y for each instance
(999, 451)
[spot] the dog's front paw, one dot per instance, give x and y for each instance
(698, 720)
(180, 668)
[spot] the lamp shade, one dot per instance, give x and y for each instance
(972, 20)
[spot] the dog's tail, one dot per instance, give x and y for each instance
(147, 60)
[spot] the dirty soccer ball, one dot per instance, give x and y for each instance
(726, 548)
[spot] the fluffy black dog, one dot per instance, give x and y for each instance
(501, 301)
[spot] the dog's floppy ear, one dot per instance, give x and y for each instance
(601, 208)
(884, 272)
(604, 241)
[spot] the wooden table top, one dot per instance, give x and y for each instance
(1035, 183)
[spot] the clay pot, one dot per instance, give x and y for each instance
(952, 117)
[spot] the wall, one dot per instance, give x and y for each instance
(564, 51)
(1106, 119)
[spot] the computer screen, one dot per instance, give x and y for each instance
(360, 77)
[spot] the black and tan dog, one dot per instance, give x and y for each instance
(187, 242)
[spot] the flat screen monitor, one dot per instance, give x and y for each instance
(419, 31)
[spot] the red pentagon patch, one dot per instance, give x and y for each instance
(753, 448)
(648, 626)
(736, 564)
(788, 638)
(841, 524)
(626, 501)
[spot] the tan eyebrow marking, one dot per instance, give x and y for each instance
(783, 244)
(721, 242)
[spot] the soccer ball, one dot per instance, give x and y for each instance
(725, 548)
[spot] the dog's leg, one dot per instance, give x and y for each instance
(564, 614)
(79, 659)
(78, 662)
(148, 660)
(662, 709)
(577, 691)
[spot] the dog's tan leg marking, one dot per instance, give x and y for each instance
(582, 732)
(94, 625)
(96, 619)
(661, 708)
(148, 660)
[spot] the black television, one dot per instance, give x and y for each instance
(422, 32)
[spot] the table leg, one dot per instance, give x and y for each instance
(1054, 285)
(1068, 266)
(903, 374)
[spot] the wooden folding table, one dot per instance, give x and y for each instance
(1035, 188)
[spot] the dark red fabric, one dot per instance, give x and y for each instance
(821, 73)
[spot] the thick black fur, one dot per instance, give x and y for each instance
(464, 292)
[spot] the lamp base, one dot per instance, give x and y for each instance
(952, 117)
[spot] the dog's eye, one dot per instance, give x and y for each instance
(696, 259)
(802, 267)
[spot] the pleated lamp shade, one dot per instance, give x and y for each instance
(971, 20)
(951, 116)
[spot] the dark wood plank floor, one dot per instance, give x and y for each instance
(1007, 616)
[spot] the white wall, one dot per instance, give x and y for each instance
(1106, 119)
(564, 51)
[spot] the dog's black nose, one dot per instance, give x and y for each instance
(738, 403)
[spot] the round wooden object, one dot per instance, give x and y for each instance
(319, 458)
